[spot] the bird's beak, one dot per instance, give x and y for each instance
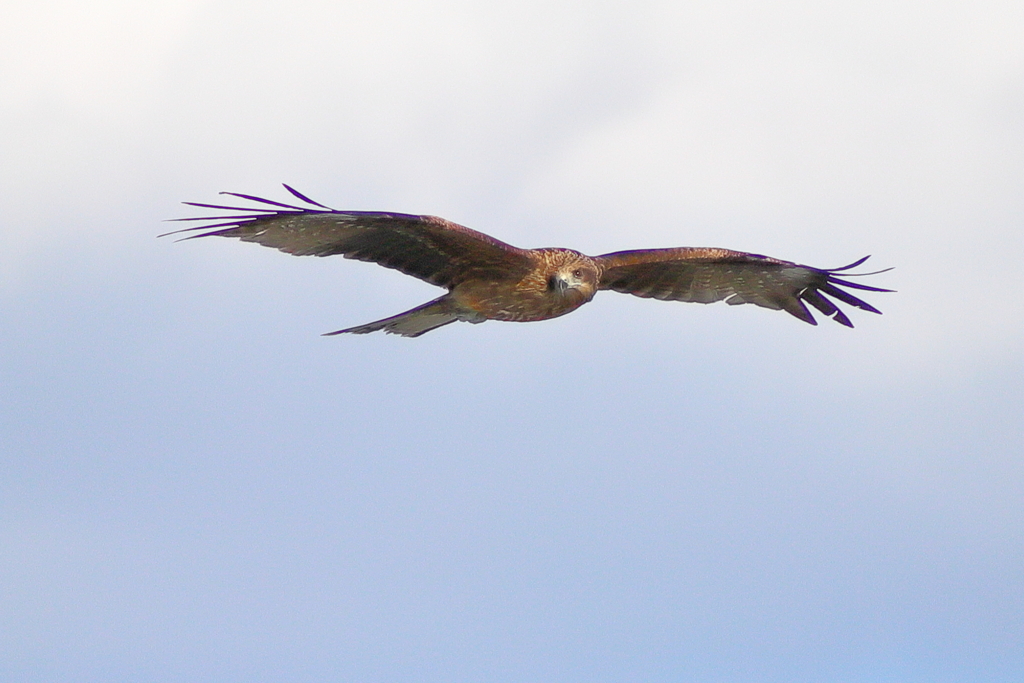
(558, 284)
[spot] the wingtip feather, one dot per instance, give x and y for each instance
(271, 202)
(842, 318)
(852, 265)
(304, 197)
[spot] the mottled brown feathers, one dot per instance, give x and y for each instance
(490, 280)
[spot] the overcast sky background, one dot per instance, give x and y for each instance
(196, 486)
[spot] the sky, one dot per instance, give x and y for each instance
(197, 486)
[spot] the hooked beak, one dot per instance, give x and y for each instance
(558, 284)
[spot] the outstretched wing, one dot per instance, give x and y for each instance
(427, 247)
(708, 275)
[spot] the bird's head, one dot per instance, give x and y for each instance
(572, 274)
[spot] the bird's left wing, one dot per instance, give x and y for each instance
(427, 247)
(707, 275)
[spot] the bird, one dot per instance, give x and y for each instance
(488, 279)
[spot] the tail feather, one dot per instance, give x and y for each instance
(412, 323)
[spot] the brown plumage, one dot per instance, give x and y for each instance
(487, 279)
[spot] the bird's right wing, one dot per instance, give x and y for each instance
(427, 247)
(705, 275)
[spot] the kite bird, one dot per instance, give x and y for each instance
(487, 279)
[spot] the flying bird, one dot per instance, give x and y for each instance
(488, 279)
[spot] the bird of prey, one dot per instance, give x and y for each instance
(488, 279)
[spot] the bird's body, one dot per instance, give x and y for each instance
(561, 281)
(490, 280)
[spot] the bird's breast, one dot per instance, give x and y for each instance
(524, 301)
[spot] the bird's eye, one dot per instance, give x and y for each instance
(577, 273)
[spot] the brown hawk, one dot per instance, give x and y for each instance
(487, 279)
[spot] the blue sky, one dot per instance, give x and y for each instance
(198, 487)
